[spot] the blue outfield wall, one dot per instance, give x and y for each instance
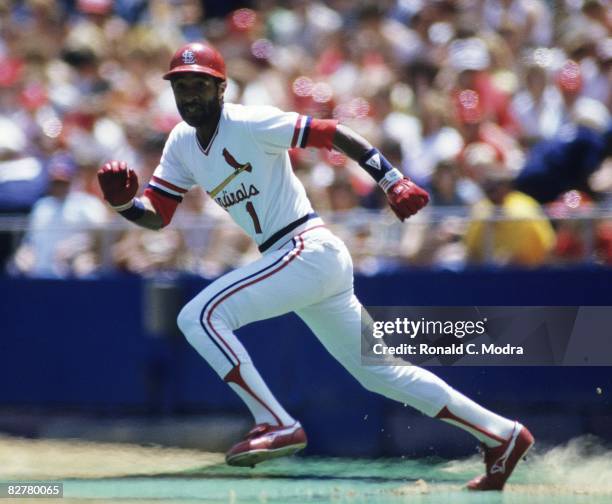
(83, 345)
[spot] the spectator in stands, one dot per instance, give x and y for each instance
(22, 182)
(475, 127)
(575, 236)
(434, 141)
(62, 240)
(531, 18)
(564, 163)
(83, 76)
(580, 237)
(145, 252)
(538, 107)
(438, 241)
(600, 88)
(508, 227)
(578, 108)
(444, 189)
(470, 59)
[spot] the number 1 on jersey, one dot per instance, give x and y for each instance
(251, 209)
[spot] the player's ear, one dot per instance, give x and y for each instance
(221, 89)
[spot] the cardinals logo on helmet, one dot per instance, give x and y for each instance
(188, 57)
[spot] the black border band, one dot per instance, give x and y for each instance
(287, 229)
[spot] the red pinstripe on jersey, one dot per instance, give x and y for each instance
(167, 185)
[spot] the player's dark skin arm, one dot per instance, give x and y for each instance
(404, 196)
(150, 219)
(350, 143)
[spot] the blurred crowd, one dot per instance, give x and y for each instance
(500, 108)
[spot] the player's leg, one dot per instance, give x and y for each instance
(337, 323)
(279, 282)
(206, 327)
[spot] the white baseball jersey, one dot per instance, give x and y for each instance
(245, 167)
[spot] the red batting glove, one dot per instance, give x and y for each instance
(119, 184)
(406, 198)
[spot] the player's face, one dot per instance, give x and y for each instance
(198, 98)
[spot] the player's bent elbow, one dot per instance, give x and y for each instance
(152, 221)
(160, 224)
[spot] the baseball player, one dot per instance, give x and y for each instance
(238, 154)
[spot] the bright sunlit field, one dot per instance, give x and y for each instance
(578, 472)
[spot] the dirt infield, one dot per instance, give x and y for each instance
(61, 459)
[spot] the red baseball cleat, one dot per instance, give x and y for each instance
(501, 460)
(264, 442)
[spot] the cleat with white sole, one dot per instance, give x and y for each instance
(265, 442)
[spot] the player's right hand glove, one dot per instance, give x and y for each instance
(406, 198)
(119, 184)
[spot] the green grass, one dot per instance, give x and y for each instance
(298, 480)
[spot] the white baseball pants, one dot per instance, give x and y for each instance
(312, 275)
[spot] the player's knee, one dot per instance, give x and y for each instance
(192, 319)
(188, 319)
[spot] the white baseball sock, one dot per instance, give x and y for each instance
(249, 385)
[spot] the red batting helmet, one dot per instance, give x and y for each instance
(197, 57)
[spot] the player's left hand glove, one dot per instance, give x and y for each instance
(406, 198)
